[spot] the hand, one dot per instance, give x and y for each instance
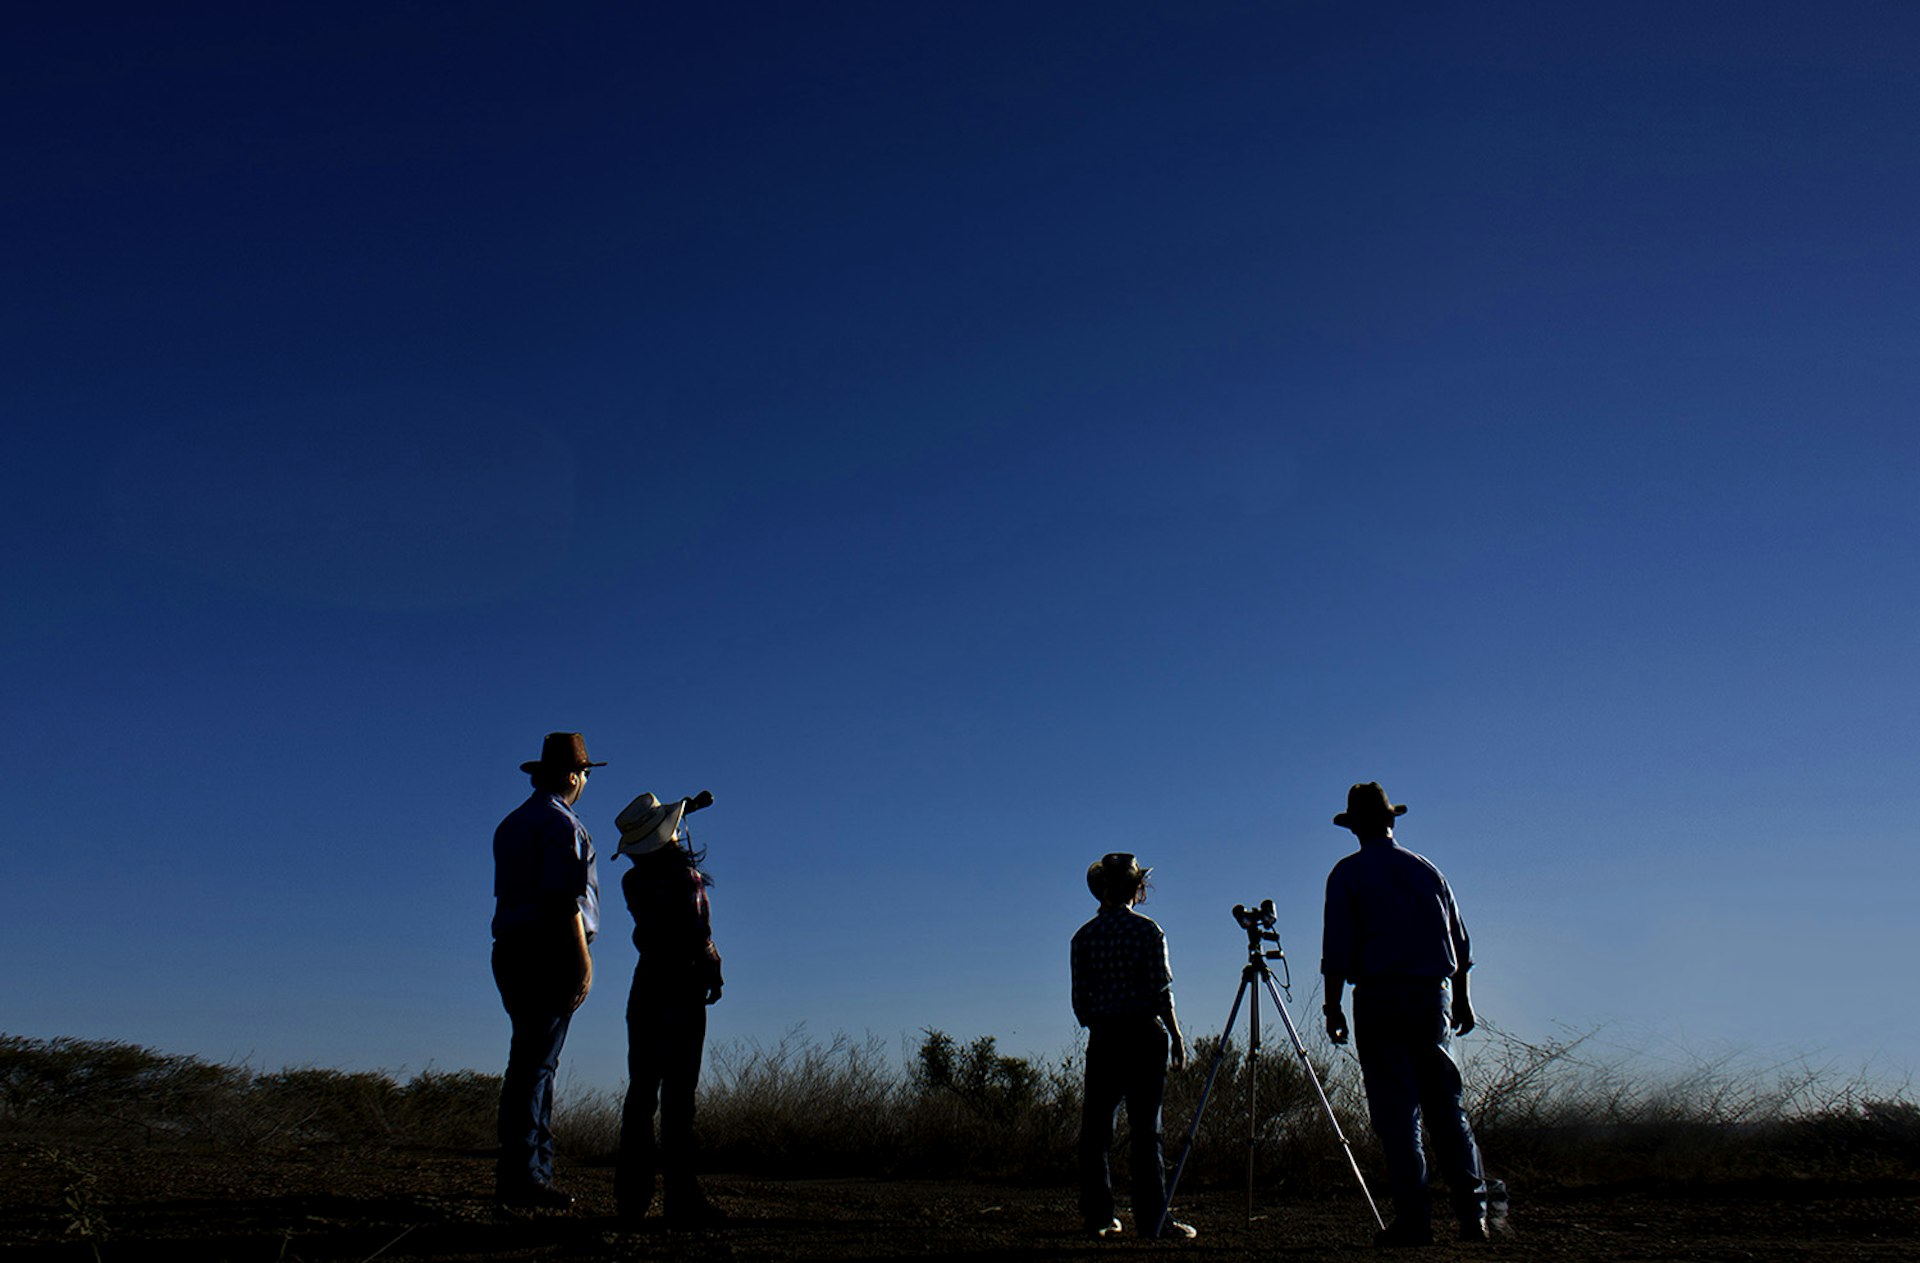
(1179, 1053)
(1463, 1019)
(700, 801)
(1336, 1024)
(580, 996)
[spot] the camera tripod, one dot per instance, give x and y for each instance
(1258, 923)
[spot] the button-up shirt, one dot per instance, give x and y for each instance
(1390, 914)
(542, 860)
(1120, 966)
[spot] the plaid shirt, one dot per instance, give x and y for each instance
(1119, 966)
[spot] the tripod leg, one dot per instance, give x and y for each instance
(1253, 1094)
(1200, 1110)
(1325, 1104)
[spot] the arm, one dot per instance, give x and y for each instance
(1336, 1016)
(582, 975)
(1336, 947)
(1463, 1019)
(1462, 946)
(1173, 1029)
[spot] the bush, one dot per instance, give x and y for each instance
(105, 1090)
(1546, 1113)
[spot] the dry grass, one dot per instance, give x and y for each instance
(1547, 1113)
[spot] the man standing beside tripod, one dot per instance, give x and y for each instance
(1392, 930)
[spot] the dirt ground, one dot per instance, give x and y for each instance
(303, 1207)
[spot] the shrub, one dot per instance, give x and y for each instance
(1546, 1113)
(107, 1090)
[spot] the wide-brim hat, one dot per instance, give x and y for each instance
(1112, 870)
(562, 751)
(646, 824)
(1368, 803)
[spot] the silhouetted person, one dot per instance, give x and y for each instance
(1123, 995)
(676, 978)
(546, 912)
(1393, 930)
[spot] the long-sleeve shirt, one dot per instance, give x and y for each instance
(672, 925)
(543, 867)
(1391, 914)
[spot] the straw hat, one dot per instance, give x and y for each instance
(646, 824)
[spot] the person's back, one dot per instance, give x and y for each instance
(1123, 995)
(1394, 931)
(1391, 914)
(1119, 966)
(675, 978)
(546, 912)
(667, 897)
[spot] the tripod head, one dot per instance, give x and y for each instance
(1258, 923)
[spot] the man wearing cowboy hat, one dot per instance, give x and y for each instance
(1123, 995)
(676, 978)
(1393, 930)
(546, 912)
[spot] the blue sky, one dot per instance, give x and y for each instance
(968, 439)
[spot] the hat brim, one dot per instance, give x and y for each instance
(647, 830)
(1347, 819)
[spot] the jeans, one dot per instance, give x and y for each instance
(666, 1035)
(1126, 1060)
(1404, 1038)
(540, 1024)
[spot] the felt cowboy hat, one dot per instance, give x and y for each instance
(1368, 803)
(562, 751)
(646, 824)
(1116, 870)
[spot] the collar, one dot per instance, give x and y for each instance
(561, 804)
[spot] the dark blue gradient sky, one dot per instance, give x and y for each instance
(968, 438)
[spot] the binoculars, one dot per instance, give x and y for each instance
(1252, 919)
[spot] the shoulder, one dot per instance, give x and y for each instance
(1414, 859)
(1345, 867)
(528, 817)
(553, 821)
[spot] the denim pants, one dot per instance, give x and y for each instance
(666, 1035)
(1404, 1037)
(526, 1090)
(1126, 1060)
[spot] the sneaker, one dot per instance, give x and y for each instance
(532, 1196)
(1111, 1228)
(1404, 1232)
(1174, 1230)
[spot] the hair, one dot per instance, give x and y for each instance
(693, 858)
(1112, 891)
(696, 858)
(551, 780)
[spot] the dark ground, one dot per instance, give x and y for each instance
(330, 1204)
